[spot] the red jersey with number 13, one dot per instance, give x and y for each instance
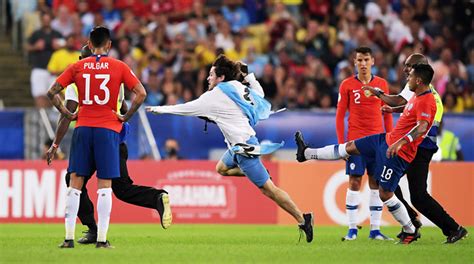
(421, 107)
(98, 79)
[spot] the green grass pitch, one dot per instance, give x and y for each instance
(34, 243)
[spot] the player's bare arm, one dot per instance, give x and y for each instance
(391, 100)
(53, 95)
(419, 130)
(137, 101)
(394, 109)
(61, 130)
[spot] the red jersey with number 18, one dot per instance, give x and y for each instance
(98, 79)
(420, 107)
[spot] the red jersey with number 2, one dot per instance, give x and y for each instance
(421, 107)
(98, 79)
(365, 116)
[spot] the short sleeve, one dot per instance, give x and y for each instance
(128, 77)
(71, 93)
(406, 93)
(426, 109)
(67, 77)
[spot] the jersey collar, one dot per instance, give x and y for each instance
(371, 77)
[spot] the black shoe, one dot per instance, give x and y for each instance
(407, 238)
(164, 210)
(67, 244)
(89, 237)
(301, 146)
(307, 227)
(457, 235)
(105, 244)
(416, 223)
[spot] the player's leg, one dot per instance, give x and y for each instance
(411, 212)
(256, 172)
(355, 169)
(138, 195)
(85, 213)
(106, 156)
(365, 146)
(227, 166)
(425, 203)
(390, 171)
(79, 164)
(72, 207)
(375, 207)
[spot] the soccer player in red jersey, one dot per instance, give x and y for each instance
(365, 118)
(391, 152)
(95, 144)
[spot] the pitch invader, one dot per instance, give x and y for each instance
(95, 142)
(391, 152)
(365, 118)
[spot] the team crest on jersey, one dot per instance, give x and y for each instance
(352, 166)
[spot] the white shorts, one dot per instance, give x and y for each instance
(41, 80)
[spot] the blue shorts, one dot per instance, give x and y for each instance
(387, 172)
(95, 148)
(252, 167)
(357, 164)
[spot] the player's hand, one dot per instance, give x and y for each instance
(392, 151)
(386, 109)
(369, 90)
(69, 115)
(153, 109)
(50, 154)
(120, 117)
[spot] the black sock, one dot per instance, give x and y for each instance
(92, 227)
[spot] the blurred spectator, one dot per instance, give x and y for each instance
(172, 149)
(235, 15)
(154, 95)
(64, 21)
(63, 57)
(110, 14)
(449, 145)
(40, 46)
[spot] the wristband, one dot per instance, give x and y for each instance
(379, 91)
(55, 145)
(408, 138)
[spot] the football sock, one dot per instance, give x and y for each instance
(375, 205)
(331, 152)
(352, 204)
(72, 207)
(399, 212)
(104, 207)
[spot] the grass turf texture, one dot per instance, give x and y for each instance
(33, 243)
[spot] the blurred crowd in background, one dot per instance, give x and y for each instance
(299, 50)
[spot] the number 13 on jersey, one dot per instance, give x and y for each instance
(103, 86)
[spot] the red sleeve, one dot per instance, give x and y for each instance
(342, 105)
(387, 118)
(128, 77)
(426, 109)
(67, 77)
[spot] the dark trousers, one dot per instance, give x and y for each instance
(123, 188)
(417, 175)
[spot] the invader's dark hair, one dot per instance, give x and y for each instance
(99, 36)
(418, 58)
(226, 67)
(85, 52)
(424, 72)
(363, 50)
